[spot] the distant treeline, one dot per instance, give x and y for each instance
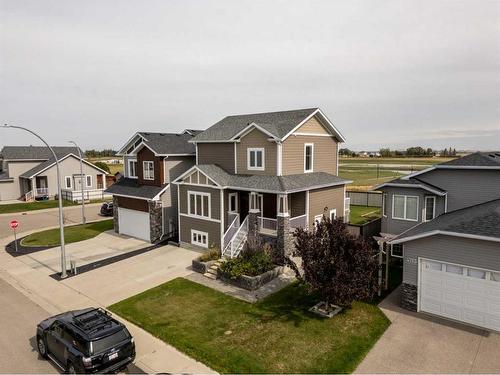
(99, 153)
(409, 152)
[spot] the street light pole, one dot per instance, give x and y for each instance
(61, 217)
(81, 180)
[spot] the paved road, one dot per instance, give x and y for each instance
(19, 317)
(46, 218)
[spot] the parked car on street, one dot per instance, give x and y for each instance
(107, 209)
(85, 341)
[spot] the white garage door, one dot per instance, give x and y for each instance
(134, 223)
(466, 294)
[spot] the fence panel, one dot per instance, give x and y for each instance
(365, 198)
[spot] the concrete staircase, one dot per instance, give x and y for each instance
(212, 271)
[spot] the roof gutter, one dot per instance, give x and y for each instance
(445, 233)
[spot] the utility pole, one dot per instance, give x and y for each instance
(59, 196)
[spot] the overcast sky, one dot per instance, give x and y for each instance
(387, 73)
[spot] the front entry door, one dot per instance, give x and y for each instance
(243, 205)
(78, 183)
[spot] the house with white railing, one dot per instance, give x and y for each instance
(29, 173)
(261, 176)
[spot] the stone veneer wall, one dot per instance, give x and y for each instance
(115, 215)
(155, 220)
(253, 228)
(285, 242)
(409, 296)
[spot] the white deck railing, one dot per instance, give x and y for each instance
(41, 191)
(88, 195)
(28, 197)
(298, 221)
(236, 243)
(234, 219)
(267, 225)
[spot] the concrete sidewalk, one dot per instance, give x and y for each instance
(420, 344)
(105, 286)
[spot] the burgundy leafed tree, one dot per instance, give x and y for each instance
(340, 267)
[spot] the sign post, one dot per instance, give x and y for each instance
(14, 224)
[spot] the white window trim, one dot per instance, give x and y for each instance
(312, 157)
(256, 149)
(229, 203)
(66, 182)
(334, 211)
(199, 233)
(87, 180)
(384, 202)
(199, 193)
(404, 213)
(433, 207)
(402, 251)
(130, 175)
(144, 163)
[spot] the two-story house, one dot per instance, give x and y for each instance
(444, 222)
(29, 173)
(263, 175)
(144, 203)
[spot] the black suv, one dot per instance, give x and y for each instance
(107, 209)
(85, 341)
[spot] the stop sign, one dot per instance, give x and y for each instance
(14, 224)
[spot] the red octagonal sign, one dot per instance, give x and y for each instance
(14, 224)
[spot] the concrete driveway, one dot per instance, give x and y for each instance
(31, 220)
(417, 343)
(29, 274)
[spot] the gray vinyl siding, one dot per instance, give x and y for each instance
(210, 227)
(174, 166)
(463, 251)
(169, 205)
(465, 187)
(10, 190)
(397, 226)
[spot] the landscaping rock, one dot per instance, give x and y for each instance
(202, 267)
(251, 282)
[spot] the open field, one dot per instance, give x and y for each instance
(276, 335)
(368, 172)
(363, 214)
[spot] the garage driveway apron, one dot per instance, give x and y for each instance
(105, 286)
(418, 343)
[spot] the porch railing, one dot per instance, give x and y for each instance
(347, 209)
(237, 242)
(267, 225)
(298, 222)
(41, 191)
(28, 197)
(234, 219)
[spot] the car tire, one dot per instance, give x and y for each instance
(71, 369)
(42, 348)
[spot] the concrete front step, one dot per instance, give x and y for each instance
(210, 275)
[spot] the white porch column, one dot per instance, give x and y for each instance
(254, 207)
(283, 205)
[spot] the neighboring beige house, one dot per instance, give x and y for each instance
(261, 175)
(144, 204)
(29, 173)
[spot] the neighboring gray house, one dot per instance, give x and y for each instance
(145, 205)
(29, 172)
(444, 222)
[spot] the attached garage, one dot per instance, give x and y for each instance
(134, 223)
(463, 293)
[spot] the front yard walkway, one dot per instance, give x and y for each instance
(418, 344)
(276, 335)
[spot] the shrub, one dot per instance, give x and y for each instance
(251, 262)
(212, 254)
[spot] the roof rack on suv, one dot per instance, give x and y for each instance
(92, 320)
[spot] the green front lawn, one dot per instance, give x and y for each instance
(277, 335)
(32, 206)
(73, 233)
(360, 215)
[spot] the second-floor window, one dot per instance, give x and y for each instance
(199, 204)
(255, 159)
(132, 168)
(430, 208)
(308, 157)
(148, 170)
(405, 207)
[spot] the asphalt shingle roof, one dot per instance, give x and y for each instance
(277, 123)
(131, 187)
(290, 183)
(169, 143)
(413, 181)
(35, 152)
(477, 159)
(482, 219)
